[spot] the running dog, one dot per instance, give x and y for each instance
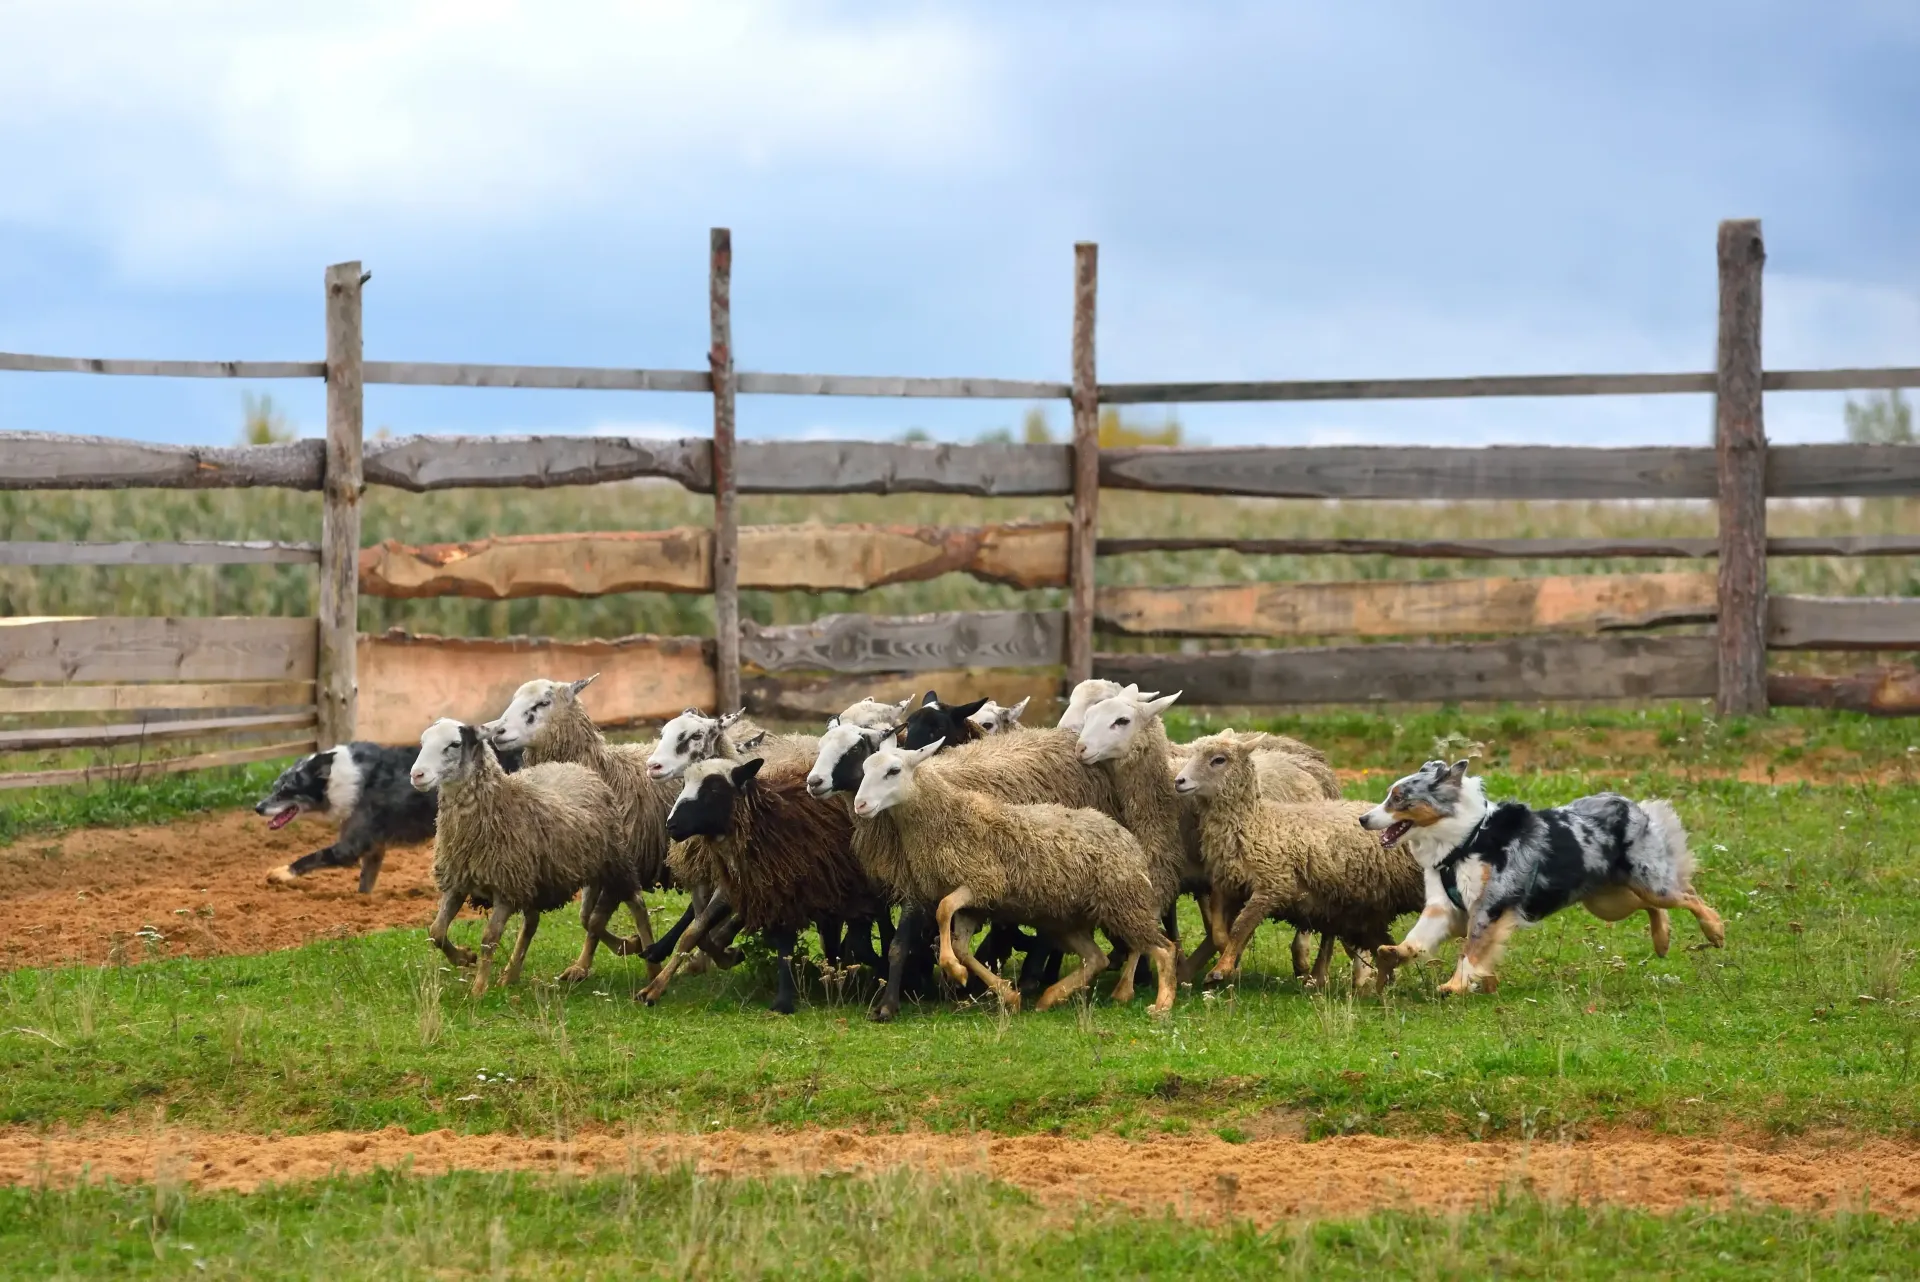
(364, 788)
(1491, 870)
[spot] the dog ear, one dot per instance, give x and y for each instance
(323, 763)
(743, 773)
(1459, 770)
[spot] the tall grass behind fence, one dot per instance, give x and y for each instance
(458, 515)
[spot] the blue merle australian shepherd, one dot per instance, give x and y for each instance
(364, 789)
(1492, 869)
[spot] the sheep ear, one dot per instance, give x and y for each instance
(915, 756)
(692, 712)
(744, 772)
(582, 683)
(1459, 771)
(966, 710)
(905, 703)
(732, 717)
(832, 722)
(469, 737)
(930, 700)
(1154, 707)
(877, 735)
(1013, 713)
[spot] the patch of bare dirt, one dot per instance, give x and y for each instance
(1264, 1180)
(195, 888)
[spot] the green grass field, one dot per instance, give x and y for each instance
(1805, 1024)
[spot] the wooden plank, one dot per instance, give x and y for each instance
(1740, 453)
(565, 377)
(422, 463)
(25, 700)
(810, 557)
(106, 736)
(1418, 607)
(192, 552)
(911, 643)
(162, 369)
(340, 507)
(408, 681)
(1084, 528)
(52, 461)
(1396, 389)
(1883, 692)
(1843, 471)
(132, 771)
(157, 649)
(1523, 549)
(1411, 472)
(1843, 623)
(1839, 380)
(899, 467)
(806, 698)
(1518, 669)
(1008, 389)
(726, 503)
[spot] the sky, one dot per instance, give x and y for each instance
(1279, 190)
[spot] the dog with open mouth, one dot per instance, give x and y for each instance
(363, 788)
(1490, 870)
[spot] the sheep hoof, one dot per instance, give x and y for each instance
(1452, 988)
(882, 1014)
(955, 971)
(461, 956)
(1218, 976)
(1160, 1010)
(1489, 983)
(1012, 1002)
(571, 975)
(781, 1006)
(284, 875)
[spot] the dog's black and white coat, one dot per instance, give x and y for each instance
(363, 788)
(1491, 870)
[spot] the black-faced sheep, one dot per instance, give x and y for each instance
(779, 857)
(1066, 870)
(524, 843)
(1307, 863)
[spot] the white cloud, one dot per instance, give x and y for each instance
(169, 129)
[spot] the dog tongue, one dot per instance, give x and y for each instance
(1394, 832)
(284, 818)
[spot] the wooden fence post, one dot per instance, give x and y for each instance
(1740, 450)
(336, 688)
(726, 517)
(1086, 465)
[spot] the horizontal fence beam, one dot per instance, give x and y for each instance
(158, 697)
(251, 552)
(818, 558)
(134, 771)
(805, 697)
(1545, 549)
(912, 643)
(109, 736)
(32, 460)
(1843, 623)
(157, 649)
(23, 363)
(1884, 692)
(1411, 607)
(1520, 669)
(408, 681)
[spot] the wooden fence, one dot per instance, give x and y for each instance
(1572, 634)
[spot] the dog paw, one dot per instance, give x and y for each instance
(284, 875)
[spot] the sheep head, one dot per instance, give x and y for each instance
(447, 750)
(937, 722)
(886, 778)
(1112, 724)
(995, 719)
(844, 749)
(691, 737)
(704, 807)
(1210, 763)
(533, 706)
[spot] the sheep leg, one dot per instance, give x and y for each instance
(663, 947)
(1203, 951)
(1244, 924)
(1002, 940)
(1322, 964)
(656, 987)
(1302, 953)
(718, 943)
(490, 940)
(910, 938)
(963, 946)
(943, 924)
(784, 940)
(1365, 978)
(857, 950)
(1166, 969)
(529, 922)
(831, 931)
(443, 922)
(1093, 960)
(596, 906)
(1123, 987)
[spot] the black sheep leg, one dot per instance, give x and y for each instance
(663, 947)
(858, 949)
(829, 929)
(909, 944)
(784, 939)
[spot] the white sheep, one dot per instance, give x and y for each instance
(1066, 871)
(522, 843)
(992, 718)
(693, 737)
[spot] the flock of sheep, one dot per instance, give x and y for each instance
(956, 814)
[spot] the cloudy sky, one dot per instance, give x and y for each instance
(1279, 190)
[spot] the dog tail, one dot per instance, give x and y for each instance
(1665, 821)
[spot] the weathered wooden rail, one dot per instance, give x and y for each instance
(1562, 636)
